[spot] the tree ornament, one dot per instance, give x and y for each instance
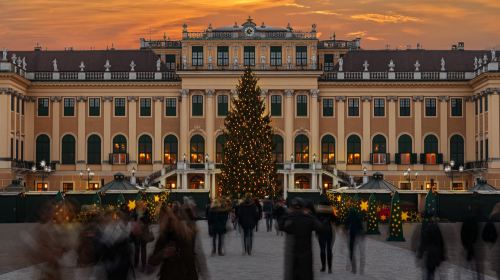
(395, 223)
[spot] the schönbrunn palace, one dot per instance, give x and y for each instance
(70, 120)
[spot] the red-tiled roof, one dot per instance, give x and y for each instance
(94, 60)
(429, 60)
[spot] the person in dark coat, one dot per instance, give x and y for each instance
(469, 235)
(247, 218)
(267, 208)
(431, 249)
(141, 233)
(326, 237)
(175, 248)
(278, 214)
(259, 213)
(354, 227)
(217, 220)
(299, 225)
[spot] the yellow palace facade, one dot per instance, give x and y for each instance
(70, 120)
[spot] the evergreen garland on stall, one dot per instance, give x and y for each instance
(248, 165)
(372, 223)
(395, 222)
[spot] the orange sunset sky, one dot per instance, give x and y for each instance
(83, 24)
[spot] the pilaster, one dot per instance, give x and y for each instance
(29, 129)
(289, 117)
(210, 123)
(56, 108)
(470, 130)
(4, 126)
(158, 155)
(417, 118)
(493, 129)
(184, 119)
(314, 124)
(82, 137)
(132, 129)
(107, 132)
(341, 162)
(366, 115)
(392, 128)
(443, 126)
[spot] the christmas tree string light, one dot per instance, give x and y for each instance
(395, 222)
(372, 223)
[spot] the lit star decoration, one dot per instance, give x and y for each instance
(395, 222)
(383, 218)
(404, 216)
(131, 205)
(157, 198)
(364, 205)
(247, 155)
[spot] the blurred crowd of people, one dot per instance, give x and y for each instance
(113, 243)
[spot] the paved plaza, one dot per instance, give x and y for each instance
(383, 260)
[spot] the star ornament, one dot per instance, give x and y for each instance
(404, 216)
(364, 205)
(339, 198)
(383, 218)
(157, 198)
(131, 205)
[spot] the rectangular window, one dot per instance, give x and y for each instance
(379, 107)
(301, 105)
(22, 150)
(456, 107)
(67, 186)
(275, 55)
(170, 61)
(430, 107)
(42, 187)
(476, 106)
(405, 185)
(223, 56)
(145, 104)
(197, 106)
(22, 107)
(43, 107)
(249, 55)
(222, 105)
(328, 63)
(405, 158)
(12, 102)
(18, 108)
(480, 100)
(301, 55)
(93, 186)
(120, 107)
(404, 107)
(486, 103)
(69, 107)
(94, 107)
(197, 55)
(170, 107)
(327, 107)
(353, 107)
(276, 105)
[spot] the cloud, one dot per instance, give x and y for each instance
(356, 34)
(372, 38)
(318, 12)
(295, 5)
(380, 18)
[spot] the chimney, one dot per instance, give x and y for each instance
(453, 47)
(418, 46)
(38, 47)
(461, 46)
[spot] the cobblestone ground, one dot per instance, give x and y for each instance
(383, 260)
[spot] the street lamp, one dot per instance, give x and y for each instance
(89, 174)
(364, 171)
(448, 169)
(408, 176)
(291, 157)
(45, 171)
(314, 158)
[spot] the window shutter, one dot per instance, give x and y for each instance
(422, 159)
(388, 159)
(413, 158)
(371, 158)
(397, 158)
(439, 159)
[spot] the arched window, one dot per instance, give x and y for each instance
(197, 183)
(328, 150)
(94, 149)
(457, 149)
(220, 143)
(197, 149)
(145, 150)
(405, 149)
(301, 149)
(431, 149)
(68, 149)
(379, 150)
(42, 148)
(170, 149)
(277, 148)
(353, 150)
(119, 155)
(119, 144)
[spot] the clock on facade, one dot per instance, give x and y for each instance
(249, 31)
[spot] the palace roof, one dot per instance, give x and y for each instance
(405, 60)
(94, 60)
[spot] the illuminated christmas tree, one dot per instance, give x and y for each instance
(430, 204)
(395, 222)
(248, 165)
(372, 223)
